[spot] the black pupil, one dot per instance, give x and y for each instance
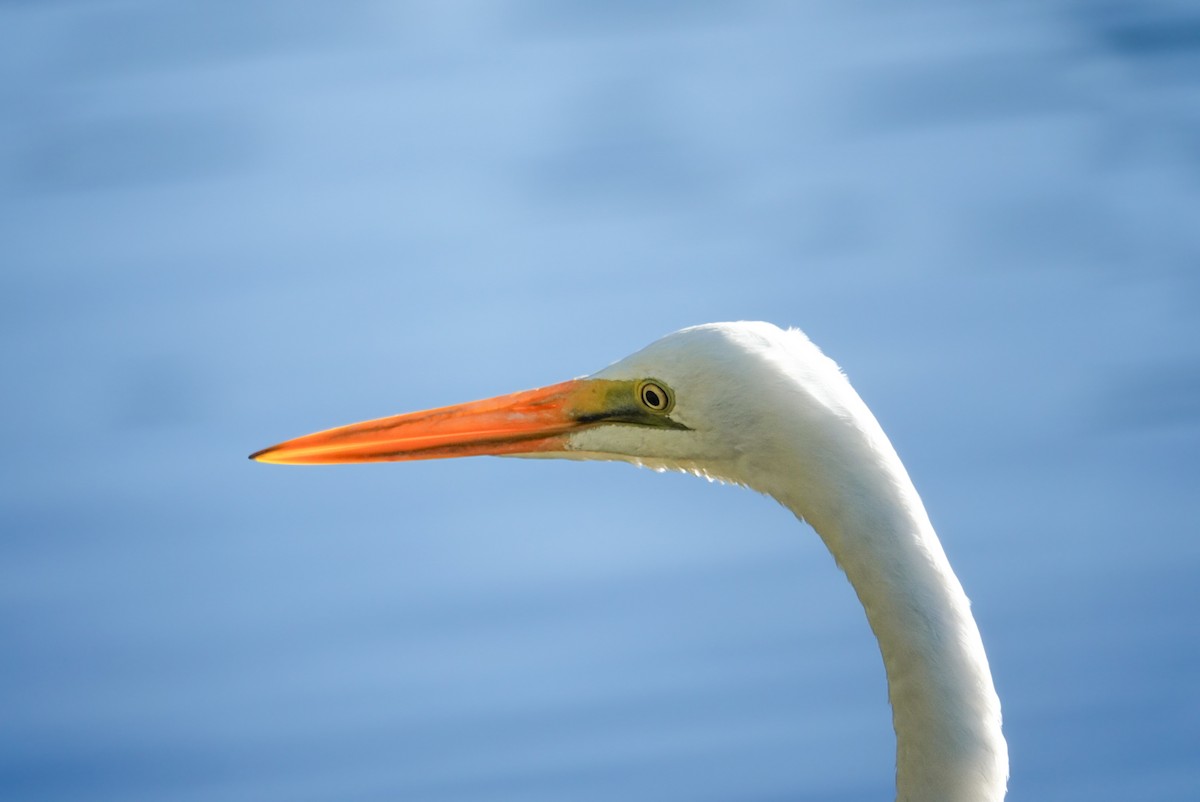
(651, 397)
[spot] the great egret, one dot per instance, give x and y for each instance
(759, 406)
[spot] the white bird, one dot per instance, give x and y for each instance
(752, 404)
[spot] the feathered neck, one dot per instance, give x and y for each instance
(846, 480)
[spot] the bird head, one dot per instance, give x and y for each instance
(703, 399)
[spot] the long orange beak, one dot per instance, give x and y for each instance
(521, 423)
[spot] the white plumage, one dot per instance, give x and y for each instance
(759, 406)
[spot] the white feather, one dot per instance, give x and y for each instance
(766, 409)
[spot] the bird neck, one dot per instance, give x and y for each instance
(945, 710)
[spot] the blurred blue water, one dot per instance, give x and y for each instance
(223, 225)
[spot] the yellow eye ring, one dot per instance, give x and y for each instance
(654, 396)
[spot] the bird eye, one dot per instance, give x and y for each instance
(654, 396)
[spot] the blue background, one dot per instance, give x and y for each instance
(226, 224)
